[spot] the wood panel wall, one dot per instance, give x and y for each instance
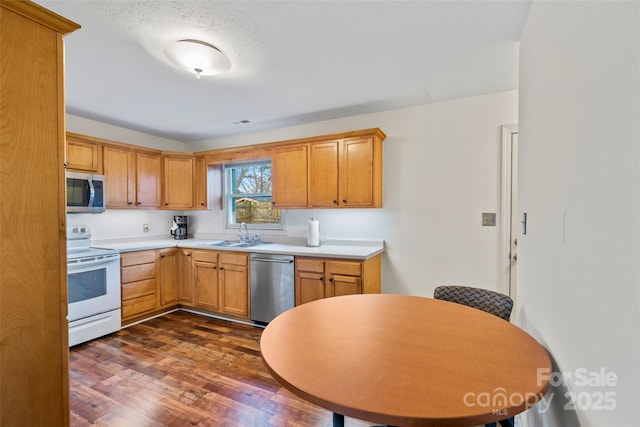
(34, 384)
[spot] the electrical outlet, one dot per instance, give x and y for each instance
(145, 228)
(488, 219)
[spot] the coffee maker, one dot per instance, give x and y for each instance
(179, 228)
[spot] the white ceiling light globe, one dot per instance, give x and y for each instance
(197, 57)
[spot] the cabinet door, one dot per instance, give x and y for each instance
(234, 287)
(201, 183)
(185, 269)
(309, 286)
(344, 285)
(168, 277)
(323, 174)
(83, 156)
(356, 172)
(289, 182)
(118, 167)
(147, 180)
(206, 285)
(178, 182)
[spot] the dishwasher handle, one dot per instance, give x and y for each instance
(278, 261)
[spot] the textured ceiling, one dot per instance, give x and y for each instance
(292, 61)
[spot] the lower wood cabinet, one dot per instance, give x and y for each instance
(317, 278)
(168, 277)
(234, 283)
(217, 281)
(185, 277)
(149, 282)
(138, 275)
(205, 280)
(156, 280)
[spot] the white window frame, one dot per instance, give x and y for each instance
(228, 195)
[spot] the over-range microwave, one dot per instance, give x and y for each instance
(85, 192)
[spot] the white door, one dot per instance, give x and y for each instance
(510, 222)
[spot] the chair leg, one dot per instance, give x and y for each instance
(509, 422)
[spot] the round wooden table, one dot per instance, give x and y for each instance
(405, 361)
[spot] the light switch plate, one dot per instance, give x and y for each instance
(488, 219)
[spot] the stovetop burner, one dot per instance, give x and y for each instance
(79, 243)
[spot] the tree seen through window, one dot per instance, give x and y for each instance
(249, 196)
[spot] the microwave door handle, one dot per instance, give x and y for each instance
(92, 193)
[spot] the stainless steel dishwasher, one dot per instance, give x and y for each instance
(272, 286)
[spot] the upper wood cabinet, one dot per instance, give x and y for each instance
(83, 156)
(332, 171)
(360, 173)
(289, 176)
(132, 178)
(118, 167)
(338, 172)
(323, 174)
(148, 170)
(201, 184)
(178, 182)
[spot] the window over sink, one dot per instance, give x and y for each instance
(248, 196)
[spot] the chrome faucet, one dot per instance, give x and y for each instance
(244, 238)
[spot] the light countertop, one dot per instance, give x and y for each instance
(356, 249)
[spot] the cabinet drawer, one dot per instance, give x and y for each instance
(137, 306)
(135, 258)
(138, 272)
(313, 265)
(137, 289)
(234, 258)
(349, 268)
(206, 256)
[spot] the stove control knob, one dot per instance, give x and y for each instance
(74, 230)
(83, 230)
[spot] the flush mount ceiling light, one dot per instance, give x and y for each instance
(197, 57)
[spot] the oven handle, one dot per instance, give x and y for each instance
(101, 259)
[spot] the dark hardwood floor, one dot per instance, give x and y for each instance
(183, 369)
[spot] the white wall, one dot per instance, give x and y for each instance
(103, 130)
(579, 159)
(441, 170)
(126, 223)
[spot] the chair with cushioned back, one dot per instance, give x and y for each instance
(482, 299)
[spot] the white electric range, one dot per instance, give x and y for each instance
(93, 287)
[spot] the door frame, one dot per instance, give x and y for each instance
(506, 220)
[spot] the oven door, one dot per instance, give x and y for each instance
(93, 285)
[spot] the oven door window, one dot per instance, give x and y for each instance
(87, 285)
